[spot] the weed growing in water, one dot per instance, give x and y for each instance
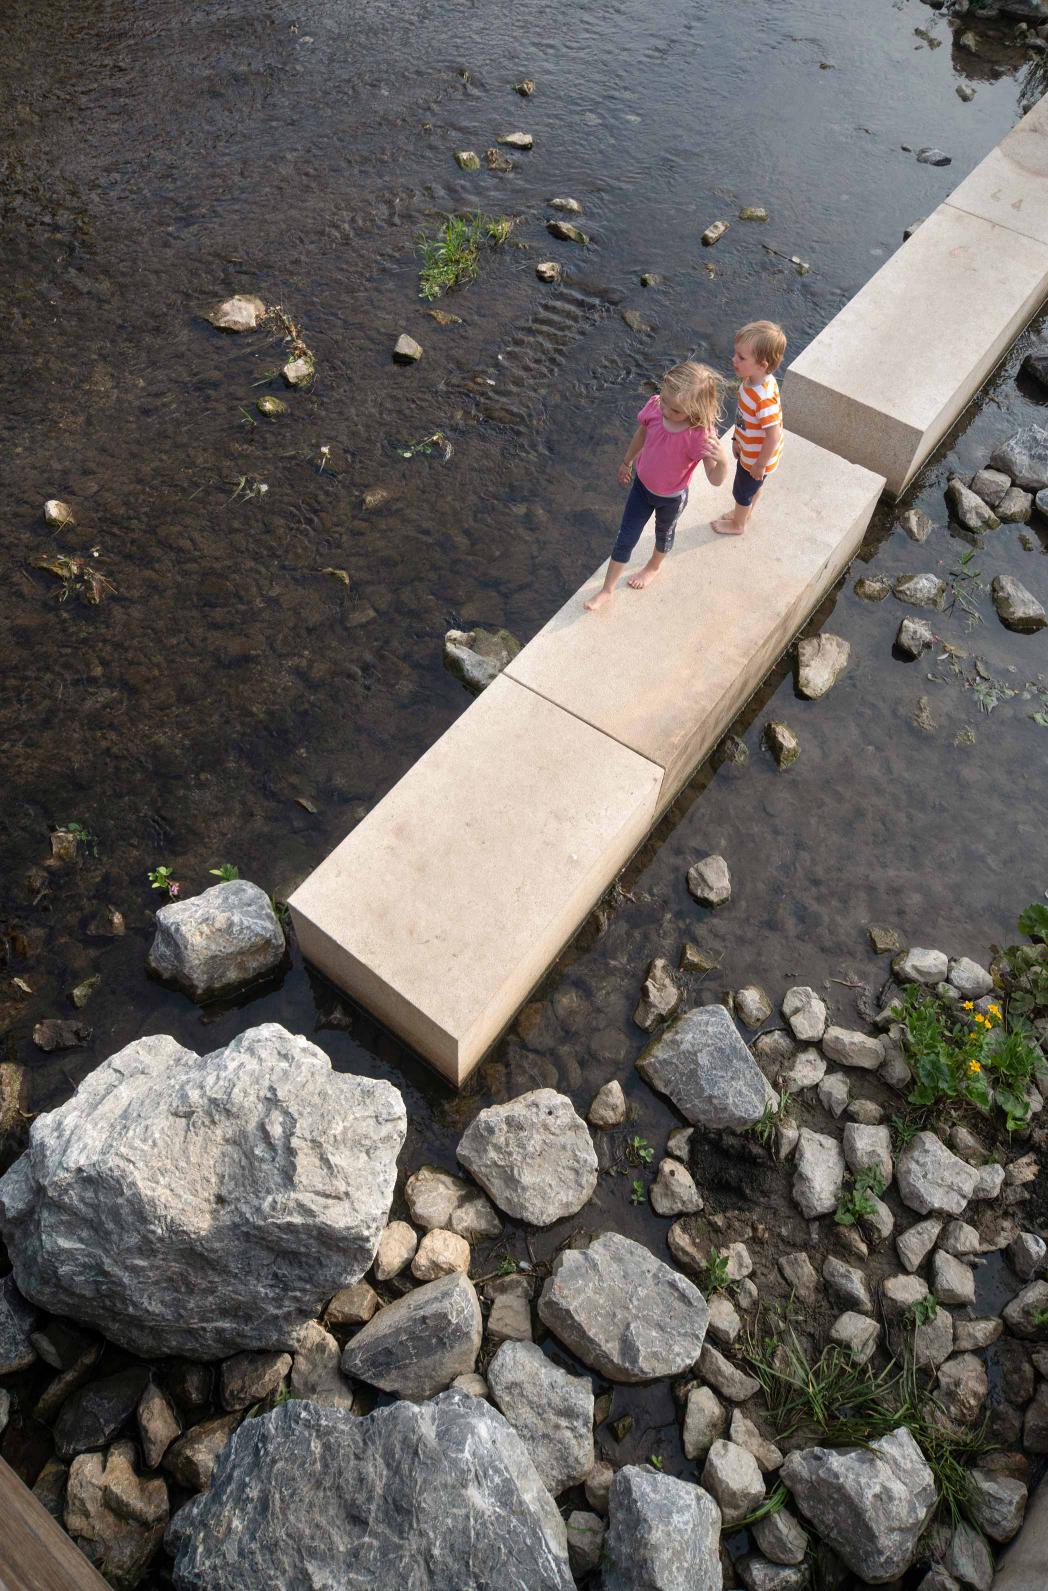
(959, 1053)
(637, 1195)
(452, 257)
(858, 1200)
(227, 872)
(83, 836)
(162, 878)
(638, 1151)
(771, 1116)
(715, 1278)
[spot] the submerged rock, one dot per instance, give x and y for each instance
(58, 514)
(1024, 458)
(534, 1156)
(406, 351)
(468, 159)
(1017, 608)
(299, 372)
(663, 1534)
(567, 232)
(968, 508)
(701, 1063)
(476, 657)
(623, 1312)
(516, 140)
(270, 406)
(710, 881)
(434, 1495)
(243, 312)
(549, 271)
(782, 743)
(821, 660)
(921, 591)
(659, 998)
(216, 941)
(915, 636)
(255, 1178)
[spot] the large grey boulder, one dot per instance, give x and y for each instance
(869, 1503)
(701, 1063)
(1024, 458)
(931, 1177)
(623, 1312)
(421, 1496)
(534, 1156)
(198, 1205)
(663, 1534)
(550, 1410)
(219, 940)
(419, 1344)
(1017, 608)
(476, 657)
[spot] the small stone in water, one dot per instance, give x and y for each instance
(882, 939)
(525, 88)
(782, 743)
(299, 372)
(872, 588)
(468, 159)
(966, 92)
(495, 160)
(548, 271)
(406, 351)
(566, 232)
(58, 513)
(569, 206)
(375, 496)
(753, 212)
(83, 991)
(934, 157)
(516, 140)
(800, 266)
(914, 637)
(649, 279)
(240, 313)
(714, 233)
(270, 406)
(1017, 608)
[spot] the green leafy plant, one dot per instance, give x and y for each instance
(507, 1266)
(638, 1151)
(83, 836)
(163, 878)
(227, 872)
(957, 1052)
(436, 442)
(656, 1461)
(903, 1129)
(715, 1278)
(1026, 966)
(922, 1310)
(775, 1500)
(637, 1195)
(451, 257)
(858, 1200)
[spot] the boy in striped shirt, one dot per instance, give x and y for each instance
(757, 443)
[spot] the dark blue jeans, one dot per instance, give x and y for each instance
(640, 505)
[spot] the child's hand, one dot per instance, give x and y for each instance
(625, 473)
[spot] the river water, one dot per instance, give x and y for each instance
(231, 702)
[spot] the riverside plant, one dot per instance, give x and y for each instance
(957, 1053)
(163, 878)
(451, 257)
(859, 1200)
(226, 871)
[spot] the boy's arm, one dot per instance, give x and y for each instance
(772, 434)
(715, 462)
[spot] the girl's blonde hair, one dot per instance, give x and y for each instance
(698, 390)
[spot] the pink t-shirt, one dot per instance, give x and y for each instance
(668, 458)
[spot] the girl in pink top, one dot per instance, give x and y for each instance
(676, 431)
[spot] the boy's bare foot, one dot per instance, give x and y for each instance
(726, 526)
(644, 577)
(599, 601)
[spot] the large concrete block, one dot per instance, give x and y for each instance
(666, 670)
(884, 381)
(1010, 187)
(444, 907)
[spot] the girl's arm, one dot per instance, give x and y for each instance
(715, 462)
(626, 467)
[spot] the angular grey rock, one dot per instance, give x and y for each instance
(1024, 458)
(249, 1377)
(968, 1558)
(510, 1318)
(914, 637)
(933, 157)
(733, 1479)
(396, 1247)
(585, 1540)
(997, 1503)
(818, 1173)
(663, 1534)
(847, 1285)
(659, 996)
(968, 508)
(916, 965)
(550, 1410)
(868, 1146)
(609, 1106)
(710, 881)
(417, 1345)
(436, 1198)
(316, 1373)
(821, 660)
(406, 351)
(962, 1389)
(242, 312)
(760, 1574)
(858, 1333)
(744, 1433)
(990, 485)
(916, 1243)
(931, 1178)
(870, 1504)
(254, 1177)
(1020, 1316)
(920, 591)
(17, 1320)
(725, 1321)
(94, 1415)
(800, 1274)
(705, 1419)
(674, 1192)
(191, 1460)
(834, 1093)
(1026, 1254)
(931, 1343)
(452, 1499)
(731, 1382)
(224, 938)
(534, 1156)
(158, 1425)
(968, 978)
(989, 1180)
(805, 1011)
(622, 1311)
(953, 1282)
(116, 1518)
(352, 1306)
(752, 1005)
(598, 1485)
(678, 1143)
(806, 1069)
(960, 1239)
(1017, 608)
(476, 657)
(780, 1537)
(853, 1049)
(916, 525)
(701, 1063)
(970, 1335)
(900, 1293)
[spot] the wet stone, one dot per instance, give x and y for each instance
(660, 996)
(920, 591)
(782, 742)
(968, 509)
(56, 1033)
(224, 938)
(872, 588)
(406, 351)
(534, 1156)
(701, 1063)
(752, 1005)
(243, 312)
(914, 638)
(1017, 608)
(990, 485)
(882, 939)
(476, 657)
(821, 660)
(1024, 458)
(710, 881)
(567, 232)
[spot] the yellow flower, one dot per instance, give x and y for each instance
(973, 1066)
(968, 1005)
(995, 1010)
(980, 1018)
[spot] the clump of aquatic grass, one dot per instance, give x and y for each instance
(451, 257)
(841, 1404)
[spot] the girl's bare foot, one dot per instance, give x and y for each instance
(599, 601)
(726, 526)
(645, 576)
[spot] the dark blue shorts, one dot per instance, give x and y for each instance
(746, 486)
(640, 505)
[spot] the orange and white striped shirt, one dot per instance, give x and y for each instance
(758, 407)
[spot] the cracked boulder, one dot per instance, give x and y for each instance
(701, 1063)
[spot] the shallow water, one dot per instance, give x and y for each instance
(160, 157)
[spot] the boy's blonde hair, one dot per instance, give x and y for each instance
(697, 389)
(767, 340)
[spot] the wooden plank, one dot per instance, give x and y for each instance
(35, 1552)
